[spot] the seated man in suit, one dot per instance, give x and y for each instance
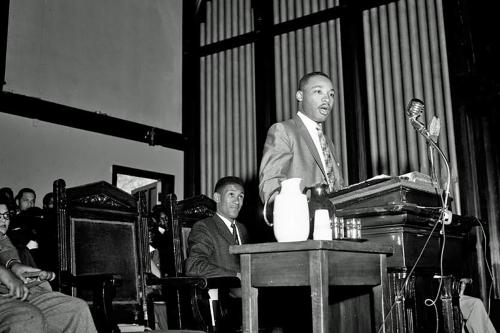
(208, 246)
(34, 309)
(209, 239)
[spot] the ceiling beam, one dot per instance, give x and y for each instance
(35, 108)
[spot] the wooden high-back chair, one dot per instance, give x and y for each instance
(101, 243)
(187, 298)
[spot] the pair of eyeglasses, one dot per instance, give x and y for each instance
(6, 215)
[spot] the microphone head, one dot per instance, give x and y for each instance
(415, 108)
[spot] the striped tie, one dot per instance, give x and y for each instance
(235, 233)
(327, 154)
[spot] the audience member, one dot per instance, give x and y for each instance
(25, 227)
(474, 315)
(4, 218)
(156, 229)
(48, 201)
(155, 233)
(7, 194)
(35, 309)
(46, 233)
(157, 226)
(23, 233)
(25, 199)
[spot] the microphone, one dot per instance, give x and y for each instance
(414, 110)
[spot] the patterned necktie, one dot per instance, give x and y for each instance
(327, 154)
(235, 233)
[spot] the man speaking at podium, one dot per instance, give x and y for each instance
(297, 147)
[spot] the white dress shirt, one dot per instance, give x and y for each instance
(228, 225)
(312, 126)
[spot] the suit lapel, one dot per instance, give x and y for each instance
(310, 143)
(242, 233)
(222, 229)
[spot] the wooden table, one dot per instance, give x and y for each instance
(318, 264)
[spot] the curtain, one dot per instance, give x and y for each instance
(406, 58)
(227, 104)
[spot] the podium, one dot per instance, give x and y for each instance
(403, 213)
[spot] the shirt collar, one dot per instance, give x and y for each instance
(310, 124)
(227, 222)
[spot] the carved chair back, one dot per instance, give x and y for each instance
(99, 232)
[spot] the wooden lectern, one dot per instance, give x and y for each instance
(403, 213)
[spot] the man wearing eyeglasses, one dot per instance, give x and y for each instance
(36, 308)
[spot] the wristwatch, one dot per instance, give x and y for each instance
(11, 263)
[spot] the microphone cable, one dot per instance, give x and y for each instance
(432, 302)
(399, 293)
(492, 277)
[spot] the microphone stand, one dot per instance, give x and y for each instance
(420, 128)
(430, 151)
(445, 216)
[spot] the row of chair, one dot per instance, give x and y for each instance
(103, 257)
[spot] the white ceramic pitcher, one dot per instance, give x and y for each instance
(291, 212)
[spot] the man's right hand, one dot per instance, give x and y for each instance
(16, 287)
(21, 271)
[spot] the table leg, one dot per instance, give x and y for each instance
(318, 279)
(382, 301)
(249, 297)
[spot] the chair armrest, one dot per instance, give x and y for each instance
(90, 281)
(189, 298)
(196, 281)
(86, 280)
(103, 288)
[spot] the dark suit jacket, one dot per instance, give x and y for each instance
(208, 248)
(290, 152)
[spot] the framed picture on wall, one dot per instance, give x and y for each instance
(154, 185)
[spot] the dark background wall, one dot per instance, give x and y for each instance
(474, 52)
